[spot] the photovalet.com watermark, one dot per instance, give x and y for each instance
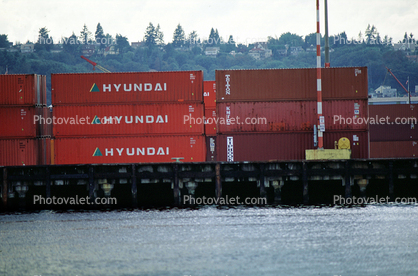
(189, 119)
(356, 120)
(38, 199)
(341, 200)
(189, 199)
(75, 41)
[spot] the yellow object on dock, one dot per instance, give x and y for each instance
(328, 154)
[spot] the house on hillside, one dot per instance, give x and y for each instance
(87, 50)
(260, 51)
(27, 48)
(212, 51)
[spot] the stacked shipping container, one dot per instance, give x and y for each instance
(128, 117)
(209, 88)
(23, 138)
(393, 131)
(270, 114)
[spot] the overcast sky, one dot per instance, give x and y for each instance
(247, 21)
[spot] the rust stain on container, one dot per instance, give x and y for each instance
(138, 87)
(290, 84)
(128, 119)
(283, 146)
(140, 149)
(290, 116)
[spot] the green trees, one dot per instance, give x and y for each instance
(160, 56)
(85, 35)
(4, 42)
(100, 36)
(122, 44)
(150, 36)
(44, 43)
(179, 37)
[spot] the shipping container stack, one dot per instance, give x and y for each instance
(393, 131)
(144, 117)
(270, 114)
(24, 140)
(209, 94)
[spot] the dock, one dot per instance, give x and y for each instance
(174, 184)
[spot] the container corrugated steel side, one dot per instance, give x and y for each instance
(283, 146)
(394, 149)
(210, 121)
(290, 84)
(129, 119)
(23, 90)
(138, 87)
(19, 152)
(43, 89)
(393, 132)
(140, 149)
(45, 151)
(209, 88)
(20, 122)
(391, 112)
(290, 116)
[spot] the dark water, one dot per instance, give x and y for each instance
(374, 240)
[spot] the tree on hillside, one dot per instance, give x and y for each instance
(122, 43)
(371, 35)
(178, 36)
(71, 44)
(4, 41)
(291, 39)
(99, 35)
(159, 36)
(192, 40)
(230, 46)
(85, 35)
(44, 42)
(150, 37)
(214, 37)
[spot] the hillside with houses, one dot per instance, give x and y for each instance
(190, 52)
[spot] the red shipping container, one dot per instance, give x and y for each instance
(138, 87)
(394, 149)
(290, 84)
(284, 146)
(210, 121)
(393, 132)
(140, 149)
(209, 88)
(291, 116)
(20, 122)
(23, 90)
(19, 152)
(393, 112)
(133, 119)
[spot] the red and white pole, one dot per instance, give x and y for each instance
(318, 79)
